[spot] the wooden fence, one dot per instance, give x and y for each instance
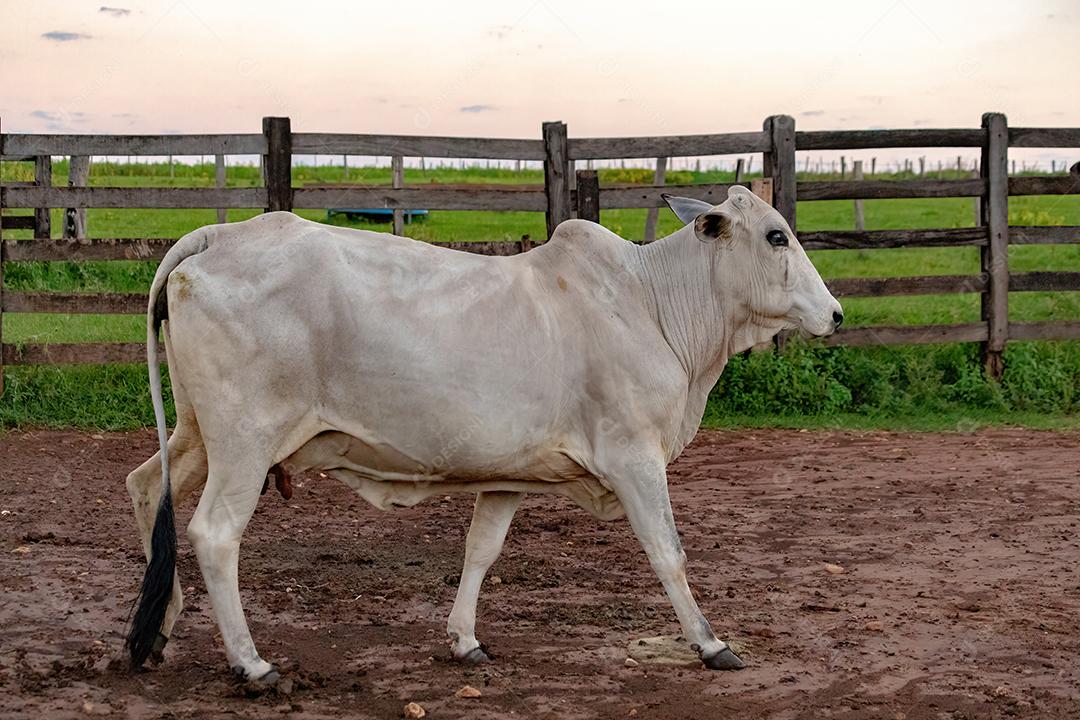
(563, 194)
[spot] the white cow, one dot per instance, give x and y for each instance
(579, 368)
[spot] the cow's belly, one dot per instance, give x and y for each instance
(388, 478)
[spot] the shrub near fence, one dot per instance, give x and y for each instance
(563, 194)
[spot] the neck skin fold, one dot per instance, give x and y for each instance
(695, 300)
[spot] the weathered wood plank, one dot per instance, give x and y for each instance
(556, 182)
(70, 249)
(870, 239)
(667, 146)
(397, 169)
(417, 196)
(229, 144)
(134, 197)
(908, 335)
(779, 164)
(1060, 330)
(588, 195)
(653, 213)
(1048, 185)
(994, 256)
(42, 178)
(153, 249)
(418, 146)
(219, 182)
(1044, 137)
(1044, 281)
(861, 139)
(277, 163)
(647, 196)
(74, 353)
(893, 286)
(75, 303)
(500, 248)
(78, 176)
(878, 189)
(763, 188)
(1052, 235)
(860, 217)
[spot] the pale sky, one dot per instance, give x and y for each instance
(501, 68)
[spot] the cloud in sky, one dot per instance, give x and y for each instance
(114, 11)
(61, 36)
(477, 108)
(812, 113)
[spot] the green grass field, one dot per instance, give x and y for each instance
(874, 387)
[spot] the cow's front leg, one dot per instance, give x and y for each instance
(642, 489)
(491, 520)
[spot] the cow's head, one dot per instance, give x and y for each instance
(761, 265)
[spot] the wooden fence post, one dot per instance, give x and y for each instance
(219, 181)
(397, 170)
(277, 163)
(995, 254)
(42, 176)
(588, 195)
(78, 176)
(556, 184)
(780, 164)
(762, 187)
(653, 213)
(857, 174)
(740, 167)
(976, 202)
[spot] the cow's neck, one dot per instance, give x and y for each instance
(688, 287)
(678, 273)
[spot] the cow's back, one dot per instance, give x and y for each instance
(438, 356)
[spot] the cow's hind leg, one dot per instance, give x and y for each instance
(642, 489)
(491, 520)
(187, 463)
(233, 485)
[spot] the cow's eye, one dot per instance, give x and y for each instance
(777, 238)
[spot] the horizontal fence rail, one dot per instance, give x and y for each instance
(433, 198)
(666, 146)
(417, 146)
(120, 145)
(560, 196)
(133, 197)
(868, 139)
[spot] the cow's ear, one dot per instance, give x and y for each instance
(686, 209)
(712, 226)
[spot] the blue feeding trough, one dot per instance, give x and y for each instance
(376, 215)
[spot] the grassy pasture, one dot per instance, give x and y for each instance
(872, 387)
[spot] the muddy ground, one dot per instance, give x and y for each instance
(960, 596)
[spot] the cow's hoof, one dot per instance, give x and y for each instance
(270, 677)
(267, 679)
(726, 659)
(476, 656)
(157, 651)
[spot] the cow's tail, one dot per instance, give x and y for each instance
(157, 584)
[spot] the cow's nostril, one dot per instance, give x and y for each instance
(838, 318)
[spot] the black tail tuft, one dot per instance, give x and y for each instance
(157, 584)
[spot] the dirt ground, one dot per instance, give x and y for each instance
(960, 595)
